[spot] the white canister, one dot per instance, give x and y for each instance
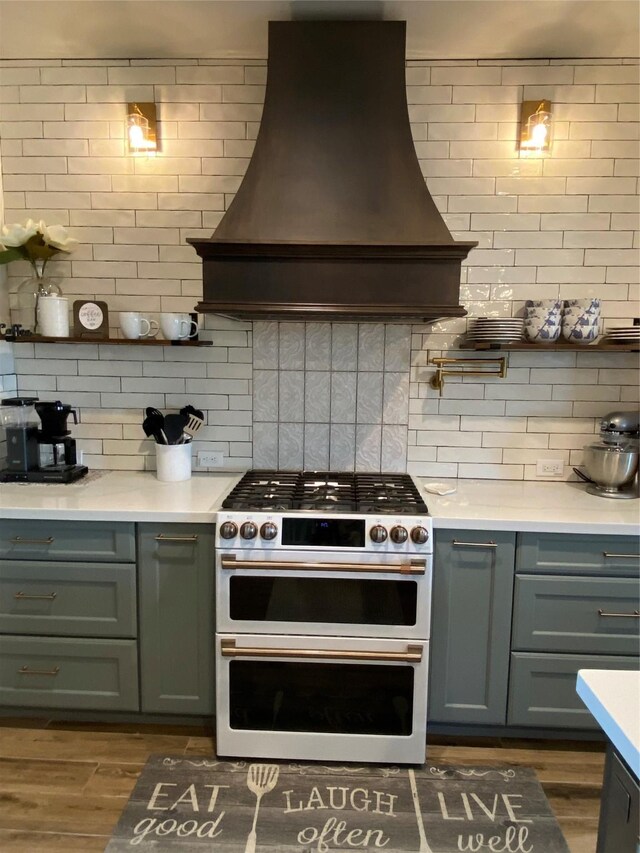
(53, 316)
(173, 462)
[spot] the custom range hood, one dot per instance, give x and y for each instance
(333, 220)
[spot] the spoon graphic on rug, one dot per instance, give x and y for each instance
(261, 779)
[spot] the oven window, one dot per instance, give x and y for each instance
(357, 601)
(321, 697)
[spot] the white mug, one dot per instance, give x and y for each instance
(134, 325)
(53, 316)
(177, 327)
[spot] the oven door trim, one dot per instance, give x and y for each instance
(419, 632)
(322, 746)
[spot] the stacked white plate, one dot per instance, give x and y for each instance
(498, 330)
(622, 335)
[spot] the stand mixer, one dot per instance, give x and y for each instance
(612, 462)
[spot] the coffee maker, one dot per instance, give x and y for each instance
(39, 451)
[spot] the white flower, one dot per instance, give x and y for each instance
(17, 234)
(56, 235)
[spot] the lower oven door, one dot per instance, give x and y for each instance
(321, 698)
(367, 595)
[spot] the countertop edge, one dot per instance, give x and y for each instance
(610, 726)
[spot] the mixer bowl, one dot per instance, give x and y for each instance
(611, 467)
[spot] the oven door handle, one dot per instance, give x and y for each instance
(413, 654)
(412, 567)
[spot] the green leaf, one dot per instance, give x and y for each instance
(9, 255)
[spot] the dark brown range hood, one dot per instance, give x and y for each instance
(333, 220)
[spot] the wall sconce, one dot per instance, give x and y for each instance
(141, 129)
(535, 126)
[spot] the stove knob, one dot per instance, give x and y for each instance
(419, 535)
(268, 530)
(249, 530)
(399, 534)
(228, 529)
(378, 533)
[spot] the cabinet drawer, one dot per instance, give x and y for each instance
(68, 599)
(560, 553)
(542, 689)
(587, 615)
(69, 673)
(104, 541)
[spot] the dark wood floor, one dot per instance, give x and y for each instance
(63, 785)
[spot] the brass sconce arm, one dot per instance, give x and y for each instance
(437, 380)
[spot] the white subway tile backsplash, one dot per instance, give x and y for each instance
(565, 226)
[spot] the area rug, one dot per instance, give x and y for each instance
(192, 805)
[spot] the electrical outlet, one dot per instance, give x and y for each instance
(209, 459)
(550, 468)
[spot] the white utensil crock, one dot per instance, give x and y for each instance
(173, 462)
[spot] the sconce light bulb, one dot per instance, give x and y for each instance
(539, 134)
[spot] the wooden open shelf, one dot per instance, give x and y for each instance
(553, 347)
(141, 342)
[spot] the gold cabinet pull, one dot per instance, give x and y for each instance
(20, 540)
(24, 670)
(414, 567)
(457, 544)
(606, 555)
(229, 649)
(634, 615)
(161, 537)
(23, 596)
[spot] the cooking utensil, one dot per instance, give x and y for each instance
(195, 420)
(261, 779)
(153, 425)
(174, 425)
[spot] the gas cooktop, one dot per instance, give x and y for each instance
(326, 491)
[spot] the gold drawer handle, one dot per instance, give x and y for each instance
(20, 540)
(162, 538)
(605, 554)
(413, 653)
(634, 615)
(24, 670)
(457, 544)
(23, 596)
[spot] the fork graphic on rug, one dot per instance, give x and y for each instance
(261, 778)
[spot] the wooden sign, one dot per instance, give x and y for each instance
(90, 320)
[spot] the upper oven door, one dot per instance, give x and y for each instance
(334, 594)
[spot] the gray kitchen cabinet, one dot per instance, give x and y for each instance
(69, 672)
(93, 541)
(619, 825)
(554, 613)
(68, 623)
(176, 605)
(569, 554)
(473, 573)
(542, 688)
(75, 599)
(576, 607)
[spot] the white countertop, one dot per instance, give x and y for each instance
(476, 504)
(613, 697)
(118, 496)
(529, 506)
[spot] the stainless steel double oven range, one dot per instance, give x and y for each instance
(323, 595)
